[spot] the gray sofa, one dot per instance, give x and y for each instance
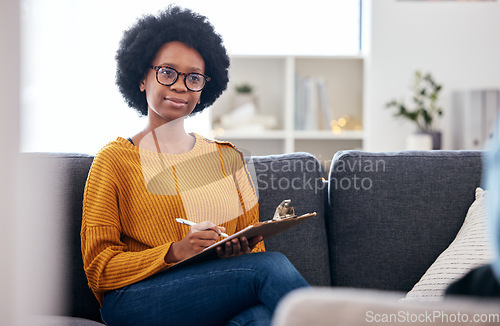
(382, 220)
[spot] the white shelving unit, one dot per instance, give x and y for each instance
(274, 81)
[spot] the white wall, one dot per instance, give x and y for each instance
(24, 250)
(69, 99)
(458, 42)
(9, 139)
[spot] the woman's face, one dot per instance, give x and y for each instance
(168, 103)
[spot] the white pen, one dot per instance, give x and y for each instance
(183, 221)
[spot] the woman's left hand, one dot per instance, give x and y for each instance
(237, 247)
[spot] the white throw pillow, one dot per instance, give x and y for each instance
(471, 248)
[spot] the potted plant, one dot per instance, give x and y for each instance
(425, 108)
(244, 94)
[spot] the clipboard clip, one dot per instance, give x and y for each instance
(284, 210)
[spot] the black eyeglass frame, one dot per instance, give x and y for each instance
(157, 68)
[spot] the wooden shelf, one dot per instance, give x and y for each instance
(281, 134)
(274, 81)
(235, 134)
(325, 134)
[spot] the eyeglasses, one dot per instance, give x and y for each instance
(168, 76)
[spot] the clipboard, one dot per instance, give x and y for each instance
(266, 229)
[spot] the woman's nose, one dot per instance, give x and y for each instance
(179, 85)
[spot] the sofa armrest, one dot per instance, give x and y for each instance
(54, 185)
(360, 307)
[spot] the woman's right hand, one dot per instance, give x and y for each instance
(199, 237)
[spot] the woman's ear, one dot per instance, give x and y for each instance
(142, 86)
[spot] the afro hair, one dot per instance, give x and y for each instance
(141, 42)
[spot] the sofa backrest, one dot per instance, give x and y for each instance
(392, 214)
(298, 177)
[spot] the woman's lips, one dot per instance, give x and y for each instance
(176, 102)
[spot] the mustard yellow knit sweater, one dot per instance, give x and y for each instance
(133, 195)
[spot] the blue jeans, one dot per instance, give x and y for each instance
(242, 290)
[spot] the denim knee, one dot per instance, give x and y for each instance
(277, 266)
(258, 315)
(278, 263)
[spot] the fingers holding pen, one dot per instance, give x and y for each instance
(202, 239)
(200, 236)
(204, 234)
(206, 226)
(191, 244)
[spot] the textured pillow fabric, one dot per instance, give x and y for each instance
(471, 248)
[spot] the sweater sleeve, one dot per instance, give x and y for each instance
(107, 262)
(251, 217)
(247, 194)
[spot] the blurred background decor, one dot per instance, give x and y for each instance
(423, 112)
(245, 115)
(244, 95)
(474, 114)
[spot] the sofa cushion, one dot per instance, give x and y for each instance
(393, 214)
(297, 177)
(471, 248)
